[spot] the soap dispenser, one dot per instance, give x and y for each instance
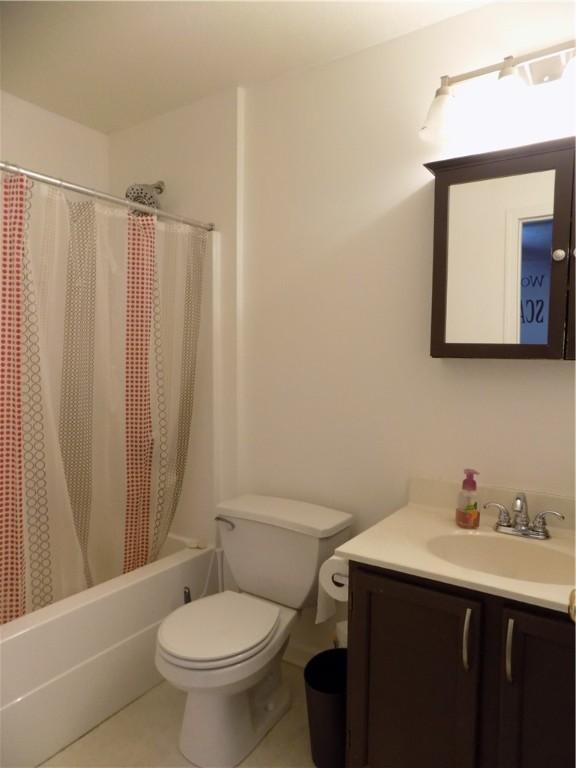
(467, 512)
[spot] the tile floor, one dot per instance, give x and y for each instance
(145, 735)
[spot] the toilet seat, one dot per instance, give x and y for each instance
(217, 631)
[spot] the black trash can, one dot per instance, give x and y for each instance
(325, 677)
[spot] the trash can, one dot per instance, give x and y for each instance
(325, 678)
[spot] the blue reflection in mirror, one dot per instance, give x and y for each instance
(535, 281)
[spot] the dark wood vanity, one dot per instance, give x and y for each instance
(445, 677)
(504, 263)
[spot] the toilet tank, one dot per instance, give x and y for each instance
(275, 547)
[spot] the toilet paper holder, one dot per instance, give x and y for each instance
(339, 579)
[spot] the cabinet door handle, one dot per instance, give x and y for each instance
(509, 640)
(465, 639)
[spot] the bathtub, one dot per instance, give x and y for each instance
(70, 665)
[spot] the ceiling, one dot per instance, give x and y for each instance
(109, 65)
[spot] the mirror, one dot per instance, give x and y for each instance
(499, 246)
(502, 245)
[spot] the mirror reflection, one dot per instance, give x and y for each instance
(499, 260)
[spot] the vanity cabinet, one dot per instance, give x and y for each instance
(445, 677)
(537, 692)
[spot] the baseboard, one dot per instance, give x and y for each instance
(299, 655)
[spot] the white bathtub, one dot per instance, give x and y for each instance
(67, 667)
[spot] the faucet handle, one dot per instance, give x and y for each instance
(539, 524)
(504, 520)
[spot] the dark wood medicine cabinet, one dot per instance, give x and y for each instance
(504, 254)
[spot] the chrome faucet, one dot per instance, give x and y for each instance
(521, 526)
(520, 508)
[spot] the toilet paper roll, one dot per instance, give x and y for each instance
(332, 587)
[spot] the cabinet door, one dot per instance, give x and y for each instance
(537, 692)
(412, 676)
(571, 323)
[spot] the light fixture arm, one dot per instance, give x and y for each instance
(543, 53)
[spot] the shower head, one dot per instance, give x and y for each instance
(146, 194)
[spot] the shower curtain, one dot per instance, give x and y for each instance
(99, 324)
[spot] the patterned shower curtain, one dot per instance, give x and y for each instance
(99, 323)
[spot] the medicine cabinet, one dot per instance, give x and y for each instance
(504, 259)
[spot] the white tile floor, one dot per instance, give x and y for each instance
(145, 735)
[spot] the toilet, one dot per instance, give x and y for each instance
(225, 650)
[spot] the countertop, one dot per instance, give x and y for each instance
(404, 542)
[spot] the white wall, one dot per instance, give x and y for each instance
(340, 401)
(45, 142)
(194, 150)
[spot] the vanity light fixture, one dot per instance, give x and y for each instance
(514, 73)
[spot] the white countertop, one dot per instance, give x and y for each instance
(405, 541)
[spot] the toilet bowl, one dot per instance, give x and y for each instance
(225, 650)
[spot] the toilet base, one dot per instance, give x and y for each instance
(219, 731)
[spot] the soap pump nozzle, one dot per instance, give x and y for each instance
(469, 483)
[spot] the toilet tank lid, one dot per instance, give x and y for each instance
(299, 516)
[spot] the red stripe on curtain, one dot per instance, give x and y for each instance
(139, 441)
(12, 566)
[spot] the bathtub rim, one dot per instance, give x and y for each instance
(96, 593)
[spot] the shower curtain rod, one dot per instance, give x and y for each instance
(10, 168)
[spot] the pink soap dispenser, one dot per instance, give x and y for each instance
(467, 512)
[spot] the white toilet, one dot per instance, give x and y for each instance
(225, 650)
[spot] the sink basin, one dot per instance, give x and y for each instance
(510, 558)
